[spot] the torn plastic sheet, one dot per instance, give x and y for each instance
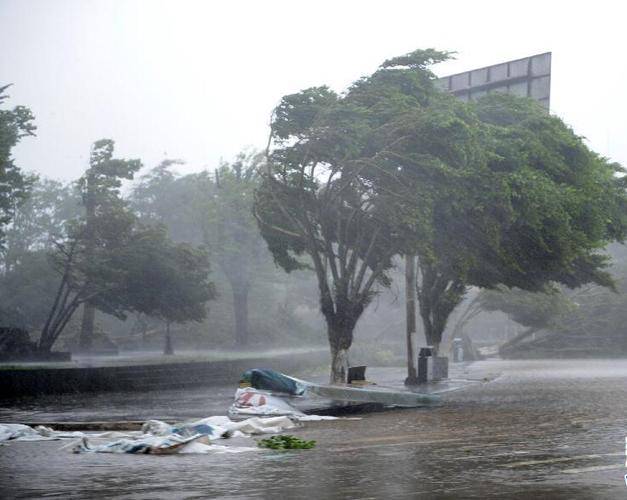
(273, 381)
(157, 437)
(21, 432)
(192, 437)
(159, 445)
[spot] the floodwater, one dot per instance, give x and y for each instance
(543, 429)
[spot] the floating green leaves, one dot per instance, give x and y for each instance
(286, 442)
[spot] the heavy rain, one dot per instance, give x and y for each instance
(350, 250)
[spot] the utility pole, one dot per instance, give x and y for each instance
(410, 311)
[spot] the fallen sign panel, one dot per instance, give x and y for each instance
(388, 397)
(264, 392)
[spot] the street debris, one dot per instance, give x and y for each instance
(266, 397)
(286, 442)
(158, 437)
(267, 392)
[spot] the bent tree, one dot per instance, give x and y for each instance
(231, 234)
(538, 208)
(132, 268)
(100, 189)
(88, 273)
(333, 189)
(346, 238)
(214, 210)
(15, 124)
(166, 280)
(534, 310)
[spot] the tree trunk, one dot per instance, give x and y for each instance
(240, 311)
(340, 340)
(433, 326)
(438, 296)
(410, 314)
(339, 365)
(168, 350)
(433, 334)
(87, 328)
(51, 331)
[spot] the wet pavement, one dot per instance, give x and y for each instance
(543, 429)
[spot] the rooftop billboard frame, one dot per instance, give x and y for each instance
(526, 77)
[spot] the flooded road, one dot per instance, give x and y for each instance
(544, 429)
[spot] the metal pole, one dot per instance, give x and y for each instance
(410, 315)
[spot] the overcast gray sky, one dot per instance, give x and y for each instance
(197, 80)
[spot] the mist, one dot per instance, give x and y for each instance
(198, 80)
(274, 240)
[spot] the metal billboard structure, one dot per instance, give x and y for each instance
(526, 77)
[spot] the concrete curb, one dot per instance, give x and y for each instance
(18, 382)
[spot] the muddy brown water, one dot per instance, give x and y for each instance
(542, 429)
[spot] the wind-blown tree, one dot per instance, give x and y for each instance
(334, 188)
(162, 197)
(89, 272)
(40, 219)
(15, 124)
(215, 210)
(27, 280)
(231, 233)
(591, 317)
(534, 310)
(539, 209)
(341, 228)
(601, 313)
(130, 268)
(27, 291)
(165, 280)
(100, 187)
